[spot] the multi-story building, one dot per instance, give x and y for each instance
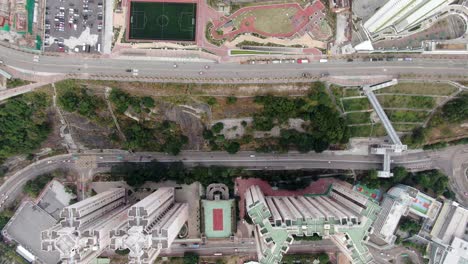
(341, 214)
(399, 201)
(83, 232)
(152, 225)
(399, 15)
(450, 235)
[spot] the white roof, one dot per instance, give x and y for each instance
(458, 253)
(25, 253)
(366, 45)
(391, 222)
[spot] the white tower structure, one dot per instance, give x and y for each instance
(153, 224)
(84, 230)
(401, 15)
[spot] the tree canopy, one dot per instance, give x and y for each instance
(323, 124)
(135, 174)
(427, 181)
(23, 124)
(35, 186)
(152, 136)
(123, 100)
(79, 99)
(191, 258)
(456, 110)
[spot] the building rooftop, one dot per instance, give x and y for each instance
(54, 199)
(336, 212)
(452, 222)
(458, 252)
(25, 228)
(399, 201)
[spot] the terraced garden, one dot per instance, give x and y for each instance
(408, 106)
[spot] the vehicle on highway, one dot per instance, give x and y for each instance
(306, 75)
(302, 61)
(323, 60)
(128, 70)
(252, 156)
(207, 67)
(201, 73)
(218, 254)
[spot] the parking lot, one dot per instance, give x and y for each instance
(74, 25)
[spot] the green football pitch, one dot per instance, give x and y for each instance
(162, 21)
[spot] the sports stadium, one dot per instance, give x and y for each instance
(172, 20)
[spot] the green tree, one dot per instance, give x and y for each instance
(218, 127)
(323, 257)
(208, 134)
(231, 100)
(165, 136)
(120, 99)
(410, 226)
(148, 102)
(191, 258)
(34, 187)
(123, 252)
(5, 216)
(232, 147)
(456, 110)
(399, 174)
(327, 125)
(79, 99)
(262, 123)
(372, 180)
(211, 101)
(432, 180)
(23, 124)
(417, 137)
(3, 170)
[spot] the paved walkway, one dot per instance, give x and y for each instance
(5, 94)
(304, 40)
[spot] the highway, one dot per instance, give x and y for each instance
(87, 67)
(248, 248)
(249, 160)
